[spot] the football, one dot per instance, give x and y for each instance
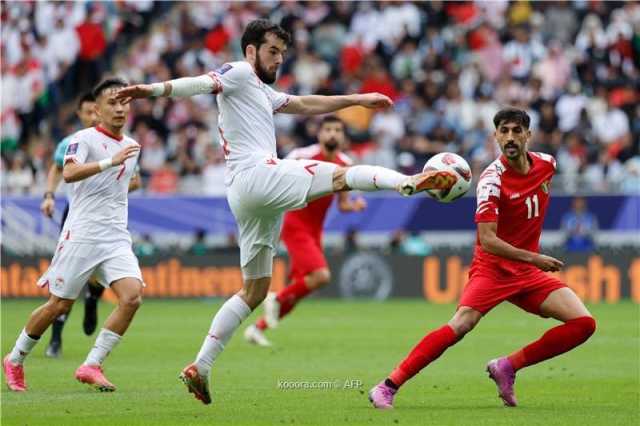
(455, 164)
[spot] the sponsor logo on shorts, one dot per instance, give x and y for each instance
(59, 282)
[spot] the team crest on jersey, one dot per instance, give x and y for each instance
(224, 68)
(72, 149)
(545, 186)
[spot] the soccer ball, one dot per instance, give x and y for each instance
(455, 164)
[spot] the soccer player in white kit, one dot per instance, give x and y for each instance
(261, 187)
(99, 162)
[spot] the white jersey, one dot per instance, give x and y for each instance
(245, 120)
(98, 209)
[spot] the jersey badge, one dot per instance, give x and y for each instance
(224, 68)
(72, 149)
(545, 186)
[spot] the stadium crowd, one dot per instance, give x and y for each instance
(448, 66)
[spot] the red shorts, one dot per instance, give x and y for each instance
(305, 252)
(483, 292)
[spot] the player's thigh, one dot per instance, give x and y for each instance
(538, 288)
(484, 292)
(564, 305)
(323, 180)
(258, 237)
(71, 267)
(119, 263)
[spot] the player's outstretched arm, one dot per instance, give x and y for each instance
(318, 104)
(491, 243)
(49, 200)
(180, 87)
(74, 172)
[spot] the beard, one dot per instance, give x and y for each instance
(331, 145)
(263, 74)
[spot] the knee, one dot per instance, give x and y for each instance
(464, 321)
(254, 296)
(319, 278)
(59, 306)
(132, 301)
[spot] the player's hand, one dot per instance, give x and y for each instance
(48, 206)
(547, 263)
(374, 100)
(127, 94)
(126, 153)
(359, 204)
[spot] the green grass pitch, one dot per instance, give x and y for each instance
(341, 342)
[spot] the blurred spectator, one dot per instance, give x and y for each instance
(415, 245)
(20, 176)
(145, 247)
(580, 227)
(449, 66)
(199, 246)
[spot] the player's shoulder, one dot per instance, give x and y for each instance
(129, 140)
(83, 135)
(544, 157)
(493, 172)
(238, 68)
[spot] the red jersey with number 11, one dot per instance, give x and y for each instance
(518, 203)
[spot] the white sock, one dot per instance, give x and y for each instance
(23, 346)
(105, 342)
(373, 178)
(224, 324)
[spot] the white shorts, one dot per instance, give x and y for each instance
(259, 196)
(74, 263)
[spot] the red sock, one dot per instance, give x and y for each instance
(554, 342)
(291, 294)
(262, 324)
(424, 353)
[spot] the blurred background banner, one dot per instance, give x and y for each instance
(609, 276)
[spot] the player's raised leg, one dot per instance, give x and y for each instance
(37, 324)
(424, 353)
(563, 305)
(129, 292)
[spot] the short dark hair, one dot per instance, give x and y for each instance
(256, 31)
(512, 115)
(87, 97)
(331, 119)
(108, 83)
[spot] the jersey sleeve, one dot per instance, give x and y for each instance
(488, 198)
(61, 149)
(228, 78)
(77, 151)
(278, 100)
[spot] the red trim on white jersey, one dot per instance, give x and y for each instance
(225, 143)
(216, 83)
(109, 134)
(284, 105)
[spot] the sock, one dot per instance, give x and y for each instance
(262, 324)
(224, 324)
(424, 353)
(56, 328)
(554, 342)
(105, 342)
(373, 178)
(291, 294)
(23, 346)
(94, 291)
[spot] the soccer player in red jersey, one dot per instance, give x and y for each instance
(302, 234)
(513, 194)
